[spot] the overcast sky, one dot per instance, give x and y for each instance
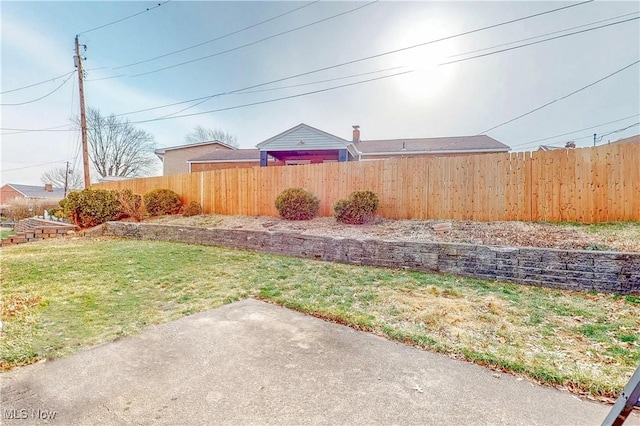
(463, 98)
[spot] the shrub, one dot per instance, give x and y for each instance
(54, 211)
(297, 204)
(22, 208)
(359, 208)
(193, 209)
(162, 201)
(91, 207)
(131, 205)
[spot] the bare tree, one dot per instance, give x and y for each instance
(202, 134)
(56, 176)
(117, 148)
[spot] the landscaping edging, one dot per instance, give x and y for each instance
(606, 272)
(34, 229)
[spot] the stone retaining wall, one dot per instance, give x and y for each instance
(33, 229)
(608, 272)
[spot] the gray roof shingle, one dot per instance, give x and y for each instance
(456, 143)
(33, 191)
(466, 144)
(162, 151)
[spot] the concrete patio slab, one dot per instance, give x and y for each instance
(255, 363)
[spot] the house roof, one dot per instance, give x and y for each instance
(549, 147)
(161, 151)
(305, 137)
(228, 155)
(466, 144)
(113, 178)
(630, 139)
(33, 191)
(302, 130)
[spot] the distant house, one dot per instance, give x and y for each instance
(225, 159)
(175, 158)
(304, 144)
(568, 145)
(113, 178)
(12, 191)
(630, 139)
(448, 146)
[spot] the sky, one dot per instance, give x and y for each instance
(430, 99)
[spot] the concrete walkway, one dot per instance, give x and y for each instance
(255, 363)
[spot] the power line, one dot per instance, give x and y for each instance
(451, 56)
(572, 132)
(543, 41)
(323, 90)
(393, 51)
(356, 61)
(546, 34)
(125, 18)
(384, 77)
(106, 78)
(35, 165)
(283, 87)
(563, 97)
(335, 66)
(14, 131)
(271, 100)
(217, 38)
(189, 107)
(591, 135)
(69, 135)
(317, 81)
(255, 42)
(41, 97)
(321, 69)
(33, 130)
(77, 151)
(617, 131)
(39, 83)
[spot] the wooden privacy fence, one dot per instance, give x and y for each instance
(567, 185)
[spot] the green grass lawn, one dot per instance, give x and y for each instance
(62, 295)
(6, 233)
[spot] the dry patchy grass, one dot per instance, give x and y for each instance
(60, 296)
(619, 236)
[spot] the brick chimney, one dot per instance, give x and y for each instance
(356, 133)
(48, 187)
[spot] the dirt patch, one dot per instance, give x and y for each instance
(617, 236)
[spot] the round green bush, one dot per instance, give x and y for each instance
(193, 209)
(359, 208)
(162, 201)
(297, 204)
(91, 207)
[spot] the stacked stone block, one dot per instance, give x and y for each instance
(37, 229)
(607, 272)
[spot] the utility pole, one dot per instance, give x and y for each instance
(83, 117)
(66, 180)
(594, 139)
